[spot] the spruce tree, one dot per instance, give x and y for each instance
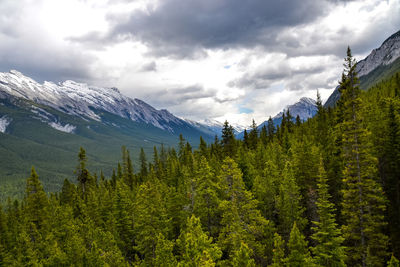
(207, 197)
(278, 258)
(288, 204)
(164, 253)
(150, 219)
(143, 166)
(195, 247)
(329, 250)
(270, 129)
(228, 140)
(85, 180)
(298, 256)
(390, 173)
(36, 202)
(393, 262)
(363, 199)
(241, 220)
(242, 257)
(253, 135)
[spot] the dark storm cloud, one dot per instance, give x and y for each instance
(183, 28)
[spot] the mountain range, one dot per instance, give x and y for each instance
(43, 124)
(380, 64)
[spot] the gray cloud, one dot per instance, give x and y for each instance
(178, 96)
(184, 28)
(263, 77)
(149, 66)
(28, 49)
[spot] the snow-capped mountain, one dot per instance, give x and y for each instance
(379, 59)
(305, 108)
(82, 100)
(214, 126)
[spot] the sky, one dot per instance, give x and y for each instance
(201, 59)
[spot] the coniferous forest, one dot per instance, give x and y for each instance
(325, 192)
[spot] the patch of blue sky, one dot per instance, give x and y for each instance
(245, 110)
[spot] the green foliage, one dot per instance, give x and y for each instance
(196, 248)
(298, 250)
(328, 250)
(363, 201)
(242, 257)
(393, 262)
(278, 258)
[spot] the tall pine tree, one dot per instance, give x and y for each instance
(363, 200)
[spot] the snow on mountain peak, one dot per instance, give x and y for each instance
(305, 108)
(4, 122)
(81, 99)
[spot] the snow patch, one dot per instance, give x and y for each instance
(4, 122)
(67, 128)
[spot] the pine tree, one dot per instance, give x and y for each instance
(264, 135)
(127, 173)
(393, 262)
(122, 214)
(228, 140)
(143, 166)
(207, 197)
(288, 204)
(68, 193)
(242, 257)
(329, 250)
(266, 188)
(36, 203)
(241, 220)
(363, 201)
(253, 136)
(195, 247)
(246, 139)
(390, 173)
(150, 219)
(298, 251)
(85, 180)
(271, 129)
(164, 253)
(278, 258)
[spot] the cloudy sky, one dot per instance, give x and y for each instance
(221, 59)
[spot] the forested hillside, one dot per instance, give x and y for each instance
(325, 192)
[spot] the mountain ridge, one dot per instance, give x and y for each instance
(378, 65)
(80, 99)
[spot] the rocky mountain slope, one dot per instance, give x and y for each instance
(380, 64)
(82, 100)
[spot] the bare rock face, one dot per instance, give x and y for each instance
(387, 53)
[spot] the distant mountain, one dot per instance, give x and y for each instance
(45, 124)
(380, 64)
(215, 127)
(306, 108)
